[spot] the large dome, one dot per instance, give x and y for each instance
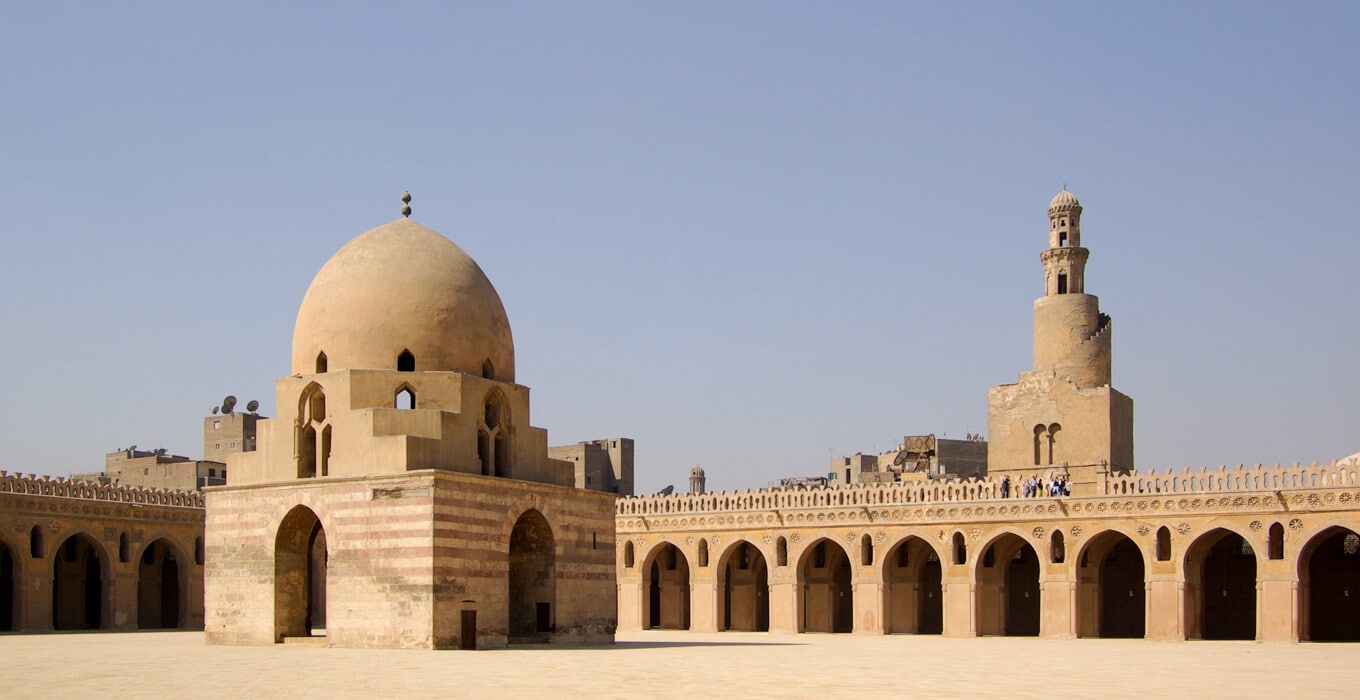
(403, 288)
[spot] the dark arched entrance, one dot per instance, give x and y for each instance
(8, 574)
(826, 600)
(667, 585)
(1008, 601)
(1330, 587)
(300, 560)
(745, 588)
(533, 579)
(913, 599)
(78, 585)
(1220, 586)
(158, 587)
(1112, 588)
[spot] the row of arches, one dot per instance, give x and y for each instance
(81, 575)
(302, 582)
(1111, 582)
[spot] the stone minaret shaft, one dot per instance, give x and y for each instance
(1071, 336)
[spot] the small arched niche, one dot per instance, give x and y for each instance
(406, 362)
(405, 398)
(321, 363)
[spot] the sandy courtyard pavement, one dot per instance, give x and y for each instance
(678, 665)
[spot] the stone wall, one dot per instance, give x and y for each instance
(1149, 538)
(407, 557)
(82, 555)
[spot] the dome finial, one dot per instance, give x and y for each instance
(406, 204)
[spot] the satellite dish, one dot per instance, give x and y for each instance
(670, 489)
(253, 406)
(228, 404)
(133, 448)
(214, 410)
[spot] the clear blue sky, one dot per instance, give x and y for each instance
(748, 235)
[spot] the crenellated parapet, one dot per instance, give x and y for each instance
(62, 487)
(1238, 478)
(1241, 479)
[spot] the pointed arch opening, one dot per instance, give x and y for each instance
(484, 453)
(1329, 585)
(1220, 587)
(703, 553)
(78, 585)
(37, 543)
(313, 446)
(488, 370)
(533, 579)
(666, 580)
(781, 552)
(501, 448)
(321, 363)
(9, 574)
(628, 555)
(124, 550)
(1008, 592)
(300, 563)
(1275, 542)
(960, 550)
(406, 361)
(160, 585)
(1112, 588)
(825, 596)
(913, 592)
(1163, 543)
(744, 579)
(866, 550)
(405, 398)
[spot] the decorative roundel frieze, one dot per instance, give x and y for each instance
(1255, 526)
(1038, 533)
(1143, 530)
(1183, 528)
(1076, 531)
(975, 534)
(1295, 524)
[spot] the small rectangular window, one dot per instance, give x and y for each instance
(217, 424)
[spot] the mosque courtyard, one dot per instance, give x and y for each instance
(661, 664)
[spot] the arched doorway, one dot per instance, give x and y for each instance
(8, 575)
(1111, 588)
(667, 583)
(826, 600)
(533, 579)
(78, 585)
(158, 587)
(1008, 594)
(745, 585)
(1220, 587)
(1329, 582)
(300, 560)
(913, 598)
